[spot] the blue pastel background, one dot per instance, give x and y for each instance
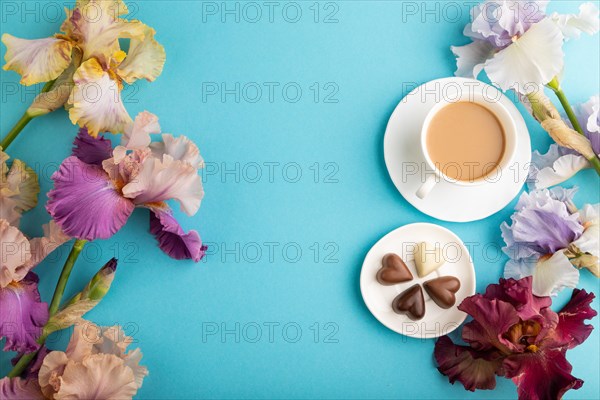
(197, 323)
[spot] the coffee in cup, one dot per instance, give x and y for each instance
(467, 141)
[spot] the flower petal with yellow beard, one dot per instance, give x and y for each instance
(96, 27)
(145, 59)
(38, 60)
(96, 100)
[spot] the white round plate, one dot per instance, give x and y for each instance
(378, 298)
(406, 164)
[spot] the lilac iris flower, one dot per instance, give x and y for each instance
(544, 228)
(517, 44)
(541, 225)
(500, 22)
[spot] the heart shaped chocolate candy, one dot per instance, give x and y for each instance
(393, 270)
(442, 290)
(428, 258)
(410, 302)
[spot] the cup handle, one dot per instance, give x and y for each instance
(426, 187)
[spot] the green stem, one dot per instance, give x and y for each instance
(20, 366)
(64, 276)
(595, 161)
(555, 86)
(58, 294)
(14, 132)
(25, 119)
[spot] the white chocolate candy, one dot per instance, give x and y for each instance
(428, 258)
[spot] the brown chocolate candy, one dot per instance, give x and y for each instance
(410, 302)
(442, 290)
(393, 270)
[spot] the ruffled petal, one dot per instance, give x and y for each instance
(99, 376)
(16, 252)
(491, 319)
(520, 268)
(96, 100)
(589, 216)
(91, 150)
(132, 360)
(160, 180)
(471, 58)
(20, 389)
(589, 241)
(551, 275)
(8, 210)
(58, 95)
(88, 338)
(23, 184)
(137, 135)
(546, 228)
(545, 374)
(43, 246)
(180, 148)
(475, 370)
(520, 295)
(531, 61)
(571, 329)
(38, 60)
(22, 315)
(96, 26)
(499, 21)
(588, 115)
(50, 372)
(515, 249)
(554, 167)
(172, 239)
(85, 336)
(145, 58)
(573, 25)
(85, 203)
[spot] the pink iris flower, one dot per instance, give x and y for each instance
(97, 188)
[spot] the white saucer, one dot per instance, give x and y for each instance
(406, 164)
(378, 298)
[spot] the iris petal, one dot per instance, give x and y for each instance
(96, 100)
(85, 203)
(38, 60)
(172, 239)
(531, 61)
(20, 389)
(22, 314)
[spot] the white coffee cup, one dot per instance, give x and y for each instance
(510, 143)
